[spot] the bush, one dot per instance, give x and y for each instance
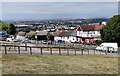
(32, 37)
(98, 42)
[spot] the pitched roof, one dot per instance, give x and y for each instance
(42, 33)
(21, 33)
(87, 27)
(96, 27)
(59, 33)
(31, 33)
(65, 33)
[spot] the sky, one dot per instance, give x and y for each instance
(57, 10)
(59, 0)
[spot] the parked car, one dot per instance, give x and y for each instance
(60, 41)
(109, 47)
(26, 41)
(11, 40)
(46, 42)
(3, 36)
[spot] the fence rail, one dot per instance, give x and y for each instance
(49, 50)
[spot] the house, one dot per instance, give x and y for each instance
(21, 35)
(44, 35)
(73, 36)
(89, 33)
(31, 33)
(58, 35)
(65, 36)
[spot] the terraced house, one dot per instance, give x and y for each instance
(82, 34)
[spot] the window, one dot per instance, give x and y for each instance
(73, 39)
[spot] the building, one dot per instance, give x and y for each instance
(89, 33)
(66, 36)
(44, 35)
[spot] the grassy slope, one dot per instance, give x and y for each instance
(47, 64)
(0, 65)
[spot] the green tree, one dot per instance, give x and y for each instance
(11, 30)
(3, 26)
(111, 32)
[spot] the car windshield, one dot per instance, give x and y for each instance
(101, 45)
(3, 33)
(45, 41)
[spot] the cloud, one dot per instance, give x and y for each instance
(60, 0)
(41, 10)
(0, 10)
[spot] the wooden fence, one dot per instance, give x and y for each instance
(50, 49)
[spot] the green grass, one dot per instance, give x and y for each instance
(56, 64)
(0, 65)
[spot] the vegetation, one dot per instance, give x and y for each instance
(3, 26)
(111, 32)
(31, 37)
(9, 28)
(56, 64)
(12, 29)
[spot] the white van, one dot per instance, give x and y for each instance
(109, 47)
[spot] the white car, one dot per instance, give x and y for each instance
(26, 41)
(11, 40)
(46, 42)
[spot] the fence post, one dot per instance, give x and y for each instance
(88, 51)
(75, 51)
(30, 50)
(50, 50)
(25, 46)
(67, 51)
(19, 49)
(82, 51)
(94, 51)
(105, 52)
(41, 50)
(14, 47)
(47, 46)
(5, 50)
(100, 51)
(59, 51)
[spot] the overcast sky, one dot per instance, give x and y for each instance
(57, 10)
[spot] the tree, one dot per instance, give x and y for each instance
(111, 32)
(3, 26)
(11, 30)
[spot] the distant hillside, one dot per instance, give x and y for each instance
(68, 22)
(95, 20)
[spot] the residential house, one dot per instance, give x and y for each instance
(73, 36)
(21, 35)
(31, 33)
(44, 35)
(65, 36)
(89, 33)
(58, 35)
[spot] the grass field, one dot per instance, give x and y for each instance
(56, 64)
(0, 65)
